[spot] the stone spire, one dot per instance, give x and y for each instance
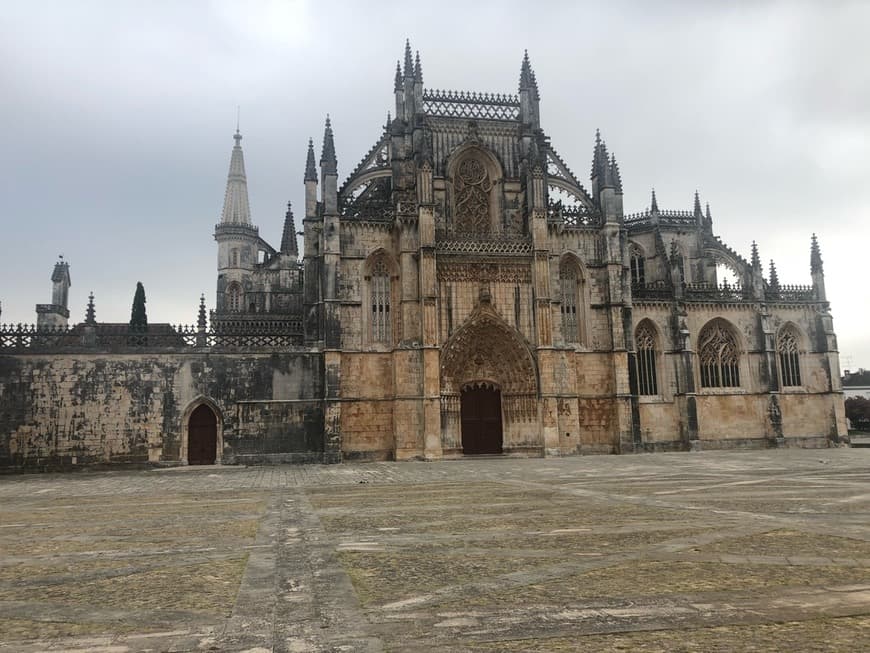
(815, 256)
(201, 316)
(654, 204)
(91, 312)
(525, 72)
(397, 84)
(708, 218)
(409, 63)
(614, 173)
(756, 274)
(756, 259)
(418, 70)
(774, 277)
(527, 77)
(529, 96)
(236, 207)
(602, 175)
(596, 154)
(328, 162)
(310, 167)
(288, 239)
(600, 158)
(697, 209)
(818, 272)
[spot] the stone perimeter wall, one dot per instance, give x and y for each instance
(60, 410)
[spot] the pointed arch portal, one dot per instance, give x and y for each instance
(489, 386)
(202, 436)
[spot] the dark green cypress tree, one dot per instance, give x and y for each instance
(138, 317)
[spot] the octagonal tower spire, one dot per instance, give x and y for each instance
(236, 209)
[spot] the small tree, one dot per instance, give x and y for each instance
(138, 317)
(858, 412)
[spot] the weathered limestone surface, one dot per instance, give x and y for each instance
(74, 409)
(720, 551)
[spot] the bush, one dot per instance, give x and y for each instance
(858, 412)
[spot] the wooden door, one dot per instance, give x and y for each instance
(202, 437)
(481, 420)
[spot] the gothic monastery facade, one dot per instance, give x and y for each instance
(461, 292)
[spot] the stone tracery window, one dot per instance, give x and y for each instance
(637, 265)
(645, 344)
(720, 359)
(789, 360)
(472, 186)
(380, 302)
(571, 287)
(234, 297)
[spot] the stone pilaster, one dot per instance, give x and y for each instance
(432, 446)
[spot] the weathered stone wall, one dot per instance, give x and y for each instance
(809, 416)
(367, 386)
(659, 424)
(367, 430)
(83, 408)
(358, 243)
(458, 299)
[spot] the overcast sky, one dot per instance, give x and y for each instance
(118, 118)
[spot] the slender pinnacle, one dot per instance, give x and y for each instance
(310, 166)
(328, 162)
(418, 70)
(409, 63)
(756, 259)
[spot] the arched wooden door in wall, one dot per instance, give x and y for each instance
(202, 437)
(480, 407)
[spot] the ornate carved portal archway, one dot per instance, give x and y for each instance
(487, 353)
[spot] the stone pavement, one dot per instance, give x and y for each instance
(713, 551)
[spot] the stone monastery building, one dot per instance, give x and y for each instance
(460, 292)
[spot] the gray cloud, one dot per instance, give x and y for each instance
(118, 120)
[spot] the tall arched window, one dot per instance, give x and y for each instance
(571, 287)
(638, 276)
(645, 344)
(472, 185)
(234, 296)
(380, 302)
(720, 358)
(789, 360)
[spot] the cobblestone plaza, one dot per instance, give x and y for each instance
(718, 551)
